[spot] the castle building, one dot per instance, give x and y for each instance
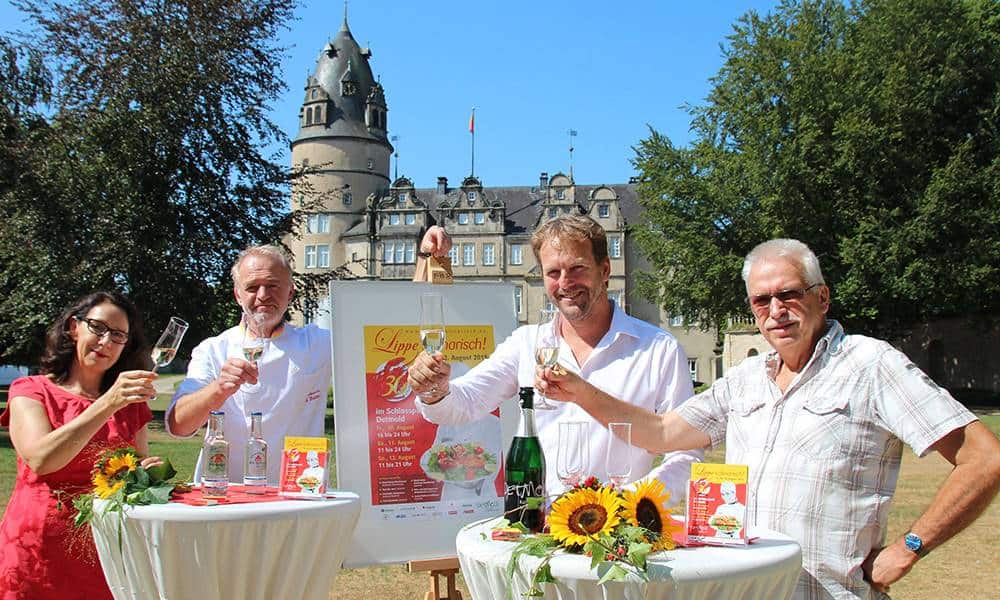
(369, 226)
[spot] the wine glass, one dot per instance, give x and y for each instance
(166, 347)
(618, 462)
(573, 453)
(432, 325)
(431, 322)
(252, 347)
(546, 348)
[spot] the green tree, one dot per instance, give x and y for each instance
(867, 131)
(150, 171)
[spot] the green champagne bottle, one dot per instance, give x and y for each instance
(524, 499)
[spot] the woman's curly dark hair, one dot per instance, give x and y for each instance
(60, 349)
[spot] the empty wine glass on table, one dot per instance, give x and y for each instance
(573, 453)
(432, 324)
(165, 348)
(546, 348)
(618, 462)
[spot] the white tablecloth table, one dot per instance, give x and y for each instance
(765, 570)
(266, 550)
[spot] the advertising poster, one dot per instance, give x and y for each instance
(418, 483)
(418, 469)
(716, 506)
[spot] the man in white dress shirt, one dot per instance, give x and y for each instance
(622, 355)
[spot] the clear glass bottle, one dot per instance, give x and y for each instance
(524, 499)
(215, 454)
(255, 464)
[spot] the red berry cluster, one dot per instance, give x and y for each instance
(590, 482)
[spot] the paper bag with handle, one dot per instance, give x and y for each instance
(435, 269)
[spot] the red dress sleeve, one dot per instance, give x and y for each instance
(29, 387)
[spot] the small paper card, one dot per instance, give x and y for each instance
(716, 504)
(304, 467)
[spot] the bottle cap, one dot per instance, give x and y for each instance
(527, 395)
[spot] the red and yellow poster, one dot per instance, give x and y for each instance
(716, 506)
(417, 462)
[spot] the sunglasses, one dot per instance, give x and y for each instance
(100, 329)
(762, 302)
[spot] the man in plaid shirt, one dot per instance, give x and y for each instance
(821, 422)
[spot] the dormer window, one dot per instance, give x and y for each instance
(401, 200)
(603, 210)
(471, 197)
(314, 94)
(463, 218)
(560, 194)
(480, 218)
(553, 212)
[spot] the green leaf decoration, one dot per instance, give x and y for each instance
(613, 572)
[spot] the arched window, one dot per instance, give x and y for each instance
(309, 116)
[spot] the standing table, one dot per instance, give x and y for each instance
(767, 569)
(265, 550)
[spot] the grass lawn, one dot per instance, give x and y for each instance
(960, 569)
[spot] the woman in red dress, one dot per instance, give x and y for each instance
(90, 397)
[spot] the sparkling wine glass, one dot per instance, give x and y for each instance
(574, 452)
(252, 347)
(166, 347)
(618, 462)
(431, 322)
(432, 325)
(546, 348)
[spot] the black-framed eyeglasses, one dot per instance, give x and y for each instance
(100, 328)
(762, 302)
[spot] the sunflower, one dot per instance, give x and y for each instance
(104, 487)
(646, 507)
(118, 465)
(581, 515)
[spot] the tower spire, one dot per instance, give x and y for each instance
(345, 12)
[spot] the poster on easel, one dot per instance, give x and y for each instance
(418, 481)
(416, 462)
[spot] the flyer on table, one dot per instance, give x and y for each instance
(304, 463)
(716, 506)
(419, 469)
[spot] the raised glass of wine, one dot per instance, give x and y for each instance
(431, 322)
(165, 348)
(546, 347)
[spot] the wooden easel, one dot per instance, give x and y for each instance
(438, 567)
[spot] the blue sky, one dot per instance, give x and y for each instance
(533, 70)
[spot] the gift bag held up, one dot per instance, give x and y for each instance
(435, 269)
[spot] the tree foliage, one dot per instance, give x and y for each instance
(134, 137)
(867, 131)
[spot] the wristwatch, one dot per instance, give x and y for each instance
(423, 254)
(914, 543)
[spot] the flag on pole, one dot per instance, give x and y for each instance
(472, 121)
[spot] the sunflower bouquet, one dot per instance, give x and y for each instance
(119, 478)
(617, 528)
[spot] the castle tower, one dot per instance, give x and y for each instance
(342, 139)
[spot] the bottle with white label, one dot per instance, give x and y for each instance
(255, 465)
(215, 454)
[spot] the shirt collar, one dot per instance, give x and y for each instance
(829, 343)
(621, 324)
